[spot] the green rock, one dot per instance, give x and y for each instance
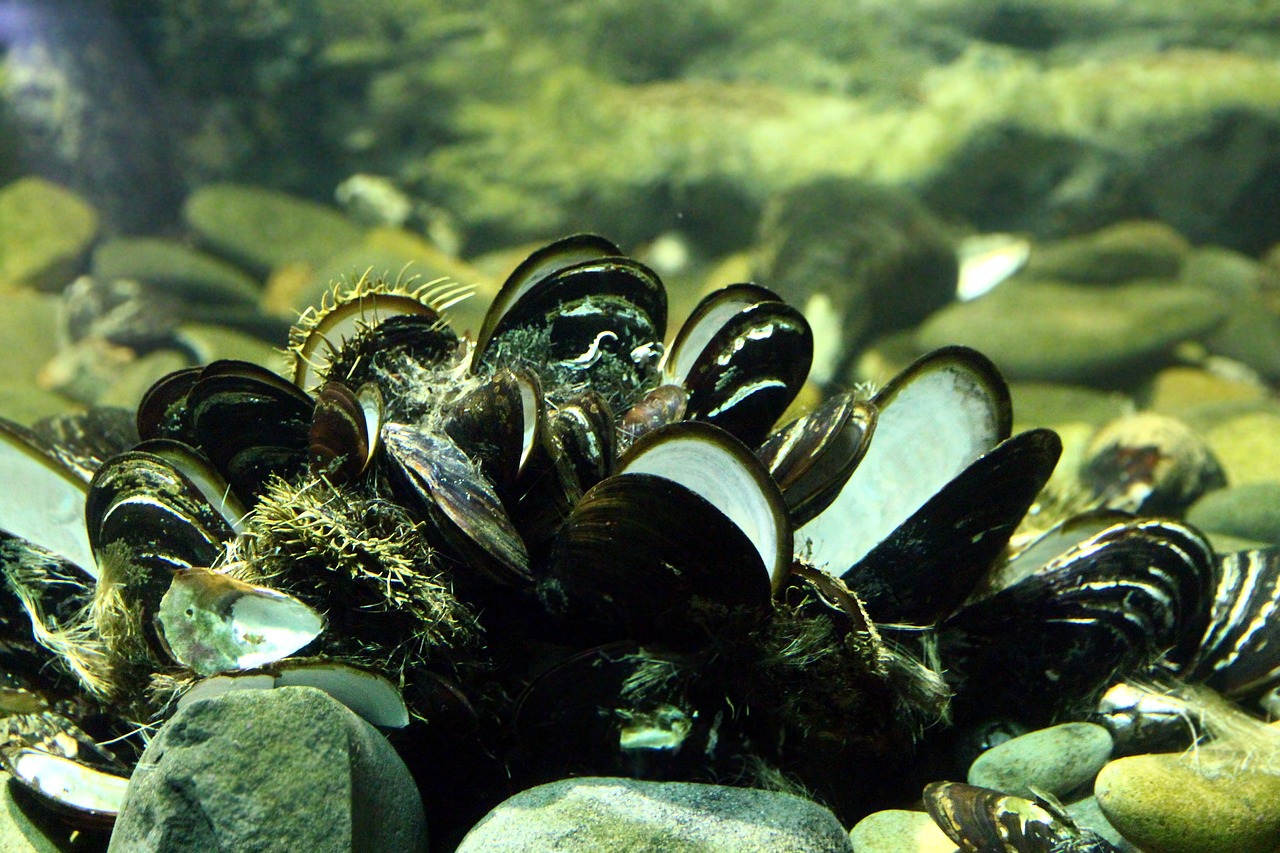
(25, 403)
(211, 343)
(45, 233)
(1054, 332)
(1122, 252)
(1247, 448)
(1060, 759)
(1179, 390)
(1048, 404)
(633, 816)
(29, 326)
(137, 377)
(899, 831)
(263, 229)
(1251, 334)
(1163, 804)
(1229, 273)
(1250, 511)
(176, 268)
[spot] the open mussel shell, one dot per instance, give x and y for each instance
(812, 457)
(931, 562)
(82, 796)
(367, 693)
(1240, 652)
(689, 536)
(441, 483)
(981, 820)
(251, 423)
(743, 355)
(935, 419)
(213, 623)
(41, 500)
(198, 468)
(1115, 604)
(389, 323)
(344, 430)
(499, 423)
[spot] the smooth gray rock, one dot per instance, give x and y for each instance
(1249, 511)
(1060, 759)
(899, 831)
(630, 816)
(284, 769)
(1055, 332)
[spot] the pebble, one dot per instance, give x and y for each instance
(263, 229)
(1163, 804)
(45, 233)
(175, 268)
(1061, 759)
(630, 816)
(899, 831)
(1179, 390)
(1250, 511)
(1048, 404)
(284, 769)
(1056, 332)
(1246, 446)
(1121, 252)
(30, 325)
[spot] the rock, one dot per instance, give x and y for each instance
(1228, 272)
(29, 327)
(1246, 446)
(211, 343)
(262, 229)
(630, 816)
(1061, 759)
(1125, 251)
(872, 258)
(1088, 815)
(134, 379)
(1054, 332)
(1163, 804)
(899, 831)
(1048, 404)
(1251, 334)
(45, 233)
(24, 403)
(176, 269)
(1251, 511)
(289, 768)
(1179, 390)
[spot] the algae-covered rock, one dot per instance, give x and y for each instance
(1164, 804)
(45, 233)
(29, 327)
(174, 268)
(262, 229)
(1054, 332)
(631, 816)
(899, 831)
(1246, 446)
(1250, 511)
(1121, 252)
(1179, 390)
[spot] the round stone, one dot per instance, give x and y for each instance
(1060, 759)
(899, 831)
(1164, 804)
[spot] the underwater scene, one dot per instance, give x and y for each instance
(604, 425)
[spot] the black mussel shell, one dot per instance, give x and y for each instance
(812, 457)
(498, 424)
(981, 820)
(931, 562)
(438, 481)
(1240, 652)
(934, 420)
(688, 538)
(1115, 604)
(371, 330)
(743, 355)
(82, 441)
(41, 499)
(199, 469)
(340, 442)
(251, 423)
(163, 412)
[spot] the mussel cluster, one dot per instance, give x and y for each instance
(563, 547)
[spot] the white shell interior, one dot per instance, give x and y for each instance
(42, 503)
(714, 473)
(704, 327)
(933, 428)
(371, 696)
(69, 782)
(529, 412)
(215, 489)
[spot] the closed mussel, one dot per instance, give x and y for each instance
(981, 820)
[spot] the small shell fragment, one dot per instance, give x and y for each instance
(214, 623)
